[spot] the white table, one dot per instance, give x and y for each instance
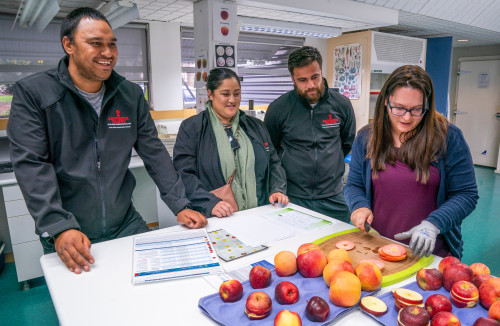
(106, 295)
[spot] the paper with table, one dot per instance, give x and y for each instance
(164, 256)
(277, 225)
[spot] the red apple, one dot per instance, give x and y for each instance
(482, 321)
(454, 273)
(494, 311)
(311, 263)
(413, 316)
(305, 247)
(445, 318)
(231, 291)
(287, 318)
(464, 294)
(449, 260)
(479, 268)
(437, 303)
(317, 309)
(489, 292)
(258, 305)
(479, 279)
(260, 277)
(429, 279)
(373, 305)
(286, 293)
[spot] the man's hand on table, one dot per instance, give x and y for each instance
(73, 247)
(191, 219)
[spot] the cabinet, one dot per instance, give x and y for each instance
(25, 243)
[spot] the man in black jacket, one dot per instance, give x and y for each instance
(313, 128)
(72, 130)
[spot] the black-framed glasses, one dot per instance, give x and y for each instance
(416, 112)
(232, 140)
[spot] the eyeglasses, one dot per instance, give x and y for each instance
(232, 140)
(417, 112)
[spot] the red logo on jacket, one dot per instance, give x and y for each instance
(329, 123)
(119, 122)
(118, 119)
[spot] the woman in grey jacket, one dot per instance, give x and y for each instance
(411, 174)
(221, 140)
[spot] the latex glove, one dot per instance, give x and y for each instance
(423, 238)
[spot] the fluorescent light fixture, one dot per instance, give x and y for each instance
(38, 13)
(462, 40)
(262, 25)
(120, 13)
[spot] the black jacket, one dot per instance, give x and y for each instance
(197, 160)
(71, 165)
(312, 143)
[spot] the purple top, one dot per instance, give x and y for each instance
(400, 202)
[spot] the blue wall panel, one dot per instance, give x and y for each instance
(438, 66)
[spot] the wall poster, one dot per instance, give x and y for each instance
(347, 70)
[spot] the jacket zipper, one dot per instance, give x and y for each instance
(315, 153)
(99, 180)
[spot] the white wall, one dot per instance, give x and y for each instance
(321, 44)
(166, 66)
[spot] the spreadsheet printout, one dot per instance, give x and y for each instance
(174, 255)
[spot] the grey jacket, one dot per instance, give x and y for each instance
(71, 165)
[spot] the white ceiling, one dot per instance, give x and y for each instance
(476, 21)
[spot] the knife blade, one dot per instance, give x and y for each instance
(369, 228)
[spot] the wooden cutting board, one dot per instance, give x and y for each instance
(366, 247)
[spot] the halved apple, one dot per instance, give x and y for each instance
(373, 305)
(408, 296)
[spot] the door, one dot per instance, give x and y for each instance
(478, 101)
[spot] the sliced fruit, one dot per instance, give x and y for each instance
(400, 305)
(373, 305)
(377, 262)
(392, 252)
(408, 296)
(345, 244)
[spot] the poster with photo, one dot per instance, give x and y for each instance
(201, 69)
(224, 21)
(347, 70)
(225, 56)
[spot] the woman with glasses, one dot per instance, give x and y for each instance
(411, 174)
(223, 140)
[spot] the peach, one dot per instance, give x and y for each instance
(449, 260)
(369, 275)
(494, 311)
(345, 289)
(338, 254)
(334, 266)
(287, 318)
(479, 268)
(311, 263)
(285, 263)
(489, 292)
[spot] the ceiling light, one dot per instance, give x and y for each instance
(462, 40)
(119, 13)
(262, 25)
(37, 12)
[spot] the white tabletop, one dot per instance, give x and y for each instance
(106, 295)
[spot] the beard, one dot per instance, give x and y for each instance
(311, 98)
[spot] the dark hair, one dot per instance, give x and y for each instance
(302, 57)
(420, 146)
(217, 76)
(72, 21)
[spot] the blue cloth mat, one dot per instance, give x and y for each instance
(234, 313)
(467, 316)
